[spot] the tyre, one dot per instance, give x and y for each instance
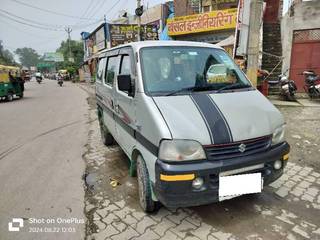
(106, 137)
(144, 188)
(9, 97)
(21, 95)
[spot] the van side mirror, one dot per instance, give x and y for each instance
(125, 84)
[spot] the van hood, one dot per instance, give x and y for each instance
(219, 118)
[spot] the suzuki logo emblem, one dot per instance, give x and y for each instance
(242, 147)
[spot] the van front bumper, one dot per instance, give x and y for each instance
(180, 193)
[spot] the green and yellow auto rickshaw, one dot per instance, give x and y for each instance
(11, 84)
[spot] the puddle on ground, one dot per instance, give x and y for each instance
(91, 181)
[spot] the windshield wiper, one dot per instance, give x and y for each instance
(195, 88)
(233, 85)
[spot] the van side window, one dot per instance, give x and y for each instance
(111, 70)
(125, 68)
(102, 62)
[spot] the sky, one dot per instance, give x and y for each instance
(47, 38)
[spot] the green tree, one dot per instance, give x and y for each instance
(6, 57)
(28, 56)
(76, 49)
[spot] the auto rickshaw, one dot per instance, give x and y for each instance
(10, 86)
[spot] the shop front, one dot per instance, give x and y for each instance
(210, 27)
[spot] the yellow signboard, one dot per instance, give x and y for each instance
(205, 22)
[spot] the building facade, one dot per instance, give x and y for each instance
(301, 39)
(203, 20)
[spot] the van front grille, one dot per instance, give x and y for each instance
(237, 149)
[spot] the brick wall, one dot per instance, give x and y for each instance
(182, 8)
(271, 14)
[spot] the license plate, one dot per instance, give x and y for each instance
(236, 185)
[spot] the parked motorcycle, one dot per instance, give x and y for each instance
(287, 87)
(312, 84)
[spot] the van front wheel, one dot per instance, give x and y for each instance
(144, 188)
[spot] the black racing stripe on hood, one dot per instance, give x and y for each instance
(215, 121)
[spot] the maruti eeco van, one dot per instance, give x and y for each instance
(194, 128)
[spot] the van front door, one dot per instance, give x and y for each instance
(108, 92)
(125, 105)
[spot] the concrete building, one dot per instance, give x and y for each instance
(203, 20)
(271, 41)
(189, 7)
(300, 33)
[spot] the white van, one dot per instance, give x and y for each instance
(193, 136)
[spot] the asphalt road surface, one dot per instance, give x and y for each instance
(42, 138)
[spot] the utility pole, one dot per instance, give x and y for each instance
(254, 39)
(69, 30)
(139, 19)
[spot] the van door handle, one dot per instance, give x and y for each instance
(116, 108)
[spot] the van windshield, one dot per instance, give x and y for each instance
(178, 70)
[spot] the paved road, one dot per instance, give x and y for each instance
(42, 140)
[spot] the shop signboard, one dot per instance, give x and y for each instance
(53, 57)
(125, 33)
(100, 39)
(205, 22)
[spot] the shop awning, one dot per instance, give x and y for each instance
(227, 42)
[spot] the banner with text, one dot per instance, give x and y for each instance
(205, 22)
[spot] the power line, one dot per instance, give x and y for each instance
(22, 30)
(113, 6)
(30, 21)
(85, 12)
(28, 24)
(121, 6)
(93, 5)
(99, 6)
(75, 27)
(50, 11)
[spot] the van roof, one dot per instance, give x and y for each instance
(137, 45)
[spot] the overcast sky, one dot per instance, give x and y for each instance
(15, 35)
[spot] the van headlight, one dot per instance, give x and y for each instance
(181, 150)
(278, 135)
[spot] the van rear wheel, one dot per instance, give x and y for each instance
(144, 188)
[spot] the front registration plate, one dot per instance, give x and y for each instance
(235, 185)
